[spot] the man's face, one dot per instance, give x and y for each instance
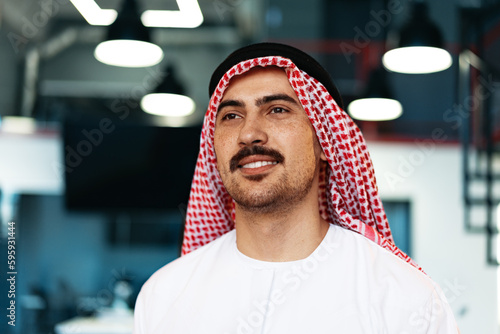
(267, 152)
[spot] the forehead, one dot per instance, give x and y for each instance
(259, 80)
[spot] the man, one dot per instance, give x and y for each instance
(285, 231)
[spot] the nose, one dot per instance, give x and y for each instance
(252, 132)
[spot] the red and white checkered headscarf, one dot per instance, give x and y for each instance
(348, 191)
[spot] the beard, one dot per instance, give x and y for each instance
(264, 193)
(276, 197)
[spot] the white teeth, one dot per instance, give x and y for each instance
(258, 164)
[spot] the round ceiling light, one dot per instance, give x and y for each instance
(128, 53)
(375, 109)
(417, 59)
(167, 104)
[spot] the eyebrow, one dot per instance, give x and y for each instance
(275, 97)
(258, 102)
(230, 103)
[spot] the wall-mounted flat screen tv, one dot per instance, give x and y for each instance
(113, 166)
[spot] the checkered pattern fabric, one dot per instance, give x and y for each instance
(348, 193)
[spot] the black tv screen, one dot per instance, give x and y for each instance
(128, 167)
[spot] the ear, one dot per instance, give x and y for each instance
(323, 156)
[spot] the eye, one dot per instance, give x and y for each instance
(229, 116)
(278, 110)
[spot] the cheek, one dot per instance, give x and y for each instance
(221, 155)
(301, 142)
(218, 142)
(310, 140)
(312, 152)
(314, 143)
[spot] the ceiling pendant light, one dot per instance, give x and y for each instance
(377, 103)
(419, 46)
(128, 43)
(168, 99)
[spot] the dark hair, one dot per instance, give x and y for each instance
(301, 59)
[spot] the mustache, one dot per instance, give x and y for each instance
(254, 150)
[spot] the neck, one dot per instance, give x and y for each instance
(280, 236)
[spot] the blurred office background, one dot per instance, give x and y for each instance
(97, 188)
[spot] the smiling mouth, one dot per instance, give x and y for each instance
(258, 164)
(255, 159)
(256, 167)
